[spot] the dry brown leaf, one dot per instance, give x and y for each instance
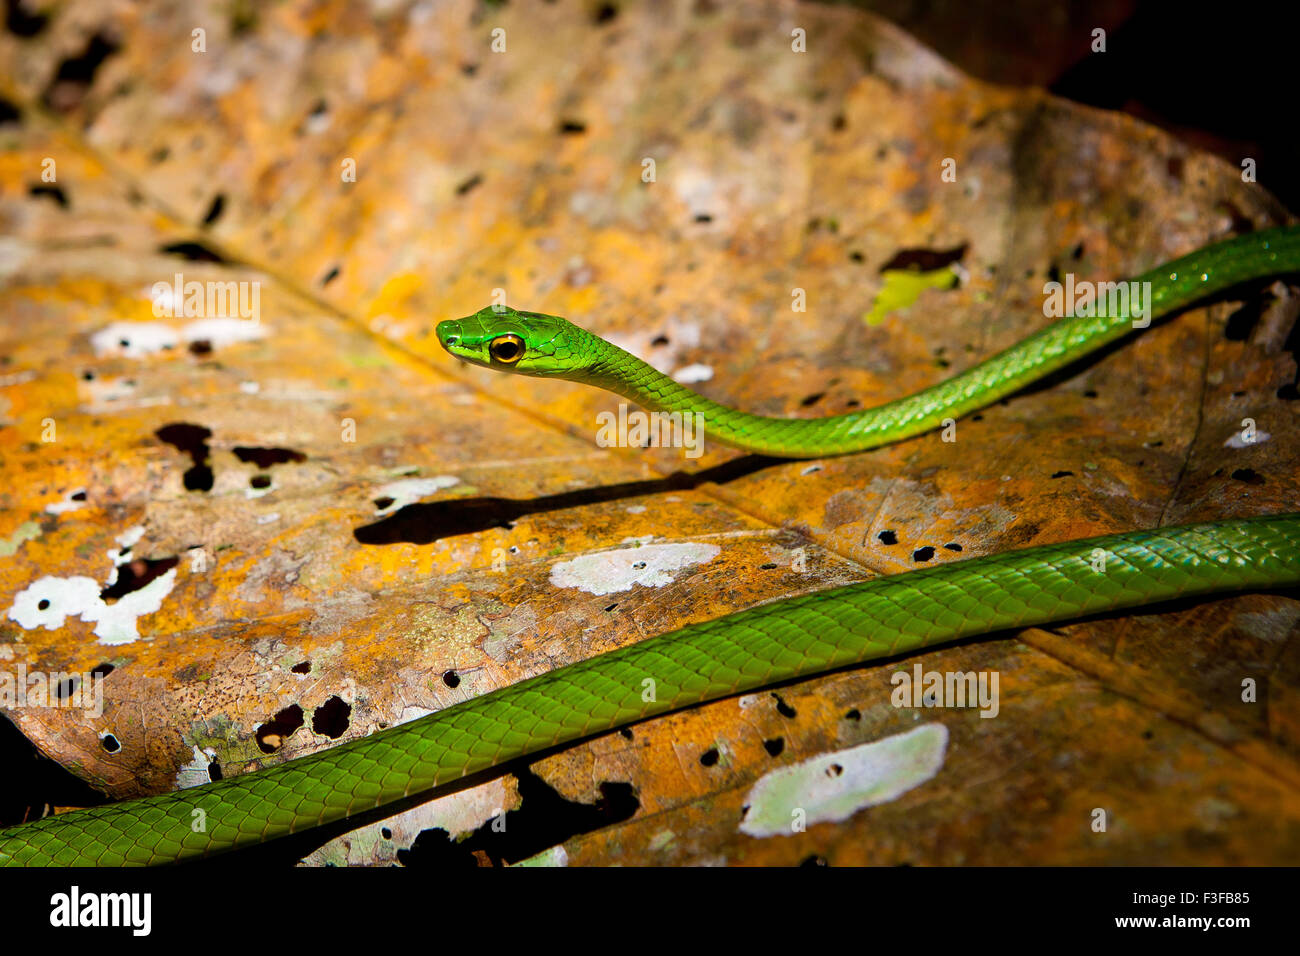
(341, 529)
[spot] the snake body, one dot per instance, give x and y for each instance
(550, 346)
(790, 638)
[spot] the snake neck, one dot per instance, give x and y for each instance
(619, 371)
(1168, 287)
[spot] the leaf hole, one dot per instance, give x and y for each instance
(136, 574)
(272, 734)
(782, 708)
(330, 719)
(48, 191)
(215, 210)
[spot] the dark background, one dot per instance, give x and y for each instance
(1223, 77)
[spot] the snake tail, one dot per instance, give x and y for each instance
(790, 638)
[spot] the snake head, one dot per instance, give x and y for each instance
(505, 339)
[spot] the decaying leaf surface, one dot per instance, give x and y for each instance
(342, 529)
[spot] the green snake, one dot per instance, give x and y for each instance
(790, 638)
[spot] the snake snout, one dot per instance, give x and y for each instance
(448, 332)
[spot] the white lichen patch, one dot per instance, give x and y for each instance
(196, 772)
(834, 786)
(406, 491)
(50, 601)
(219, 332)
(692, 374)
(127, 540)
(18, 378)
(1238, 440)
(141, 339)
(458, 813)
(650, 566)
(134, 339)
(412, 712)
(74, 499)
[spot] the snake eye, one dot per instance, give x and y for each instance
(506, 349)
